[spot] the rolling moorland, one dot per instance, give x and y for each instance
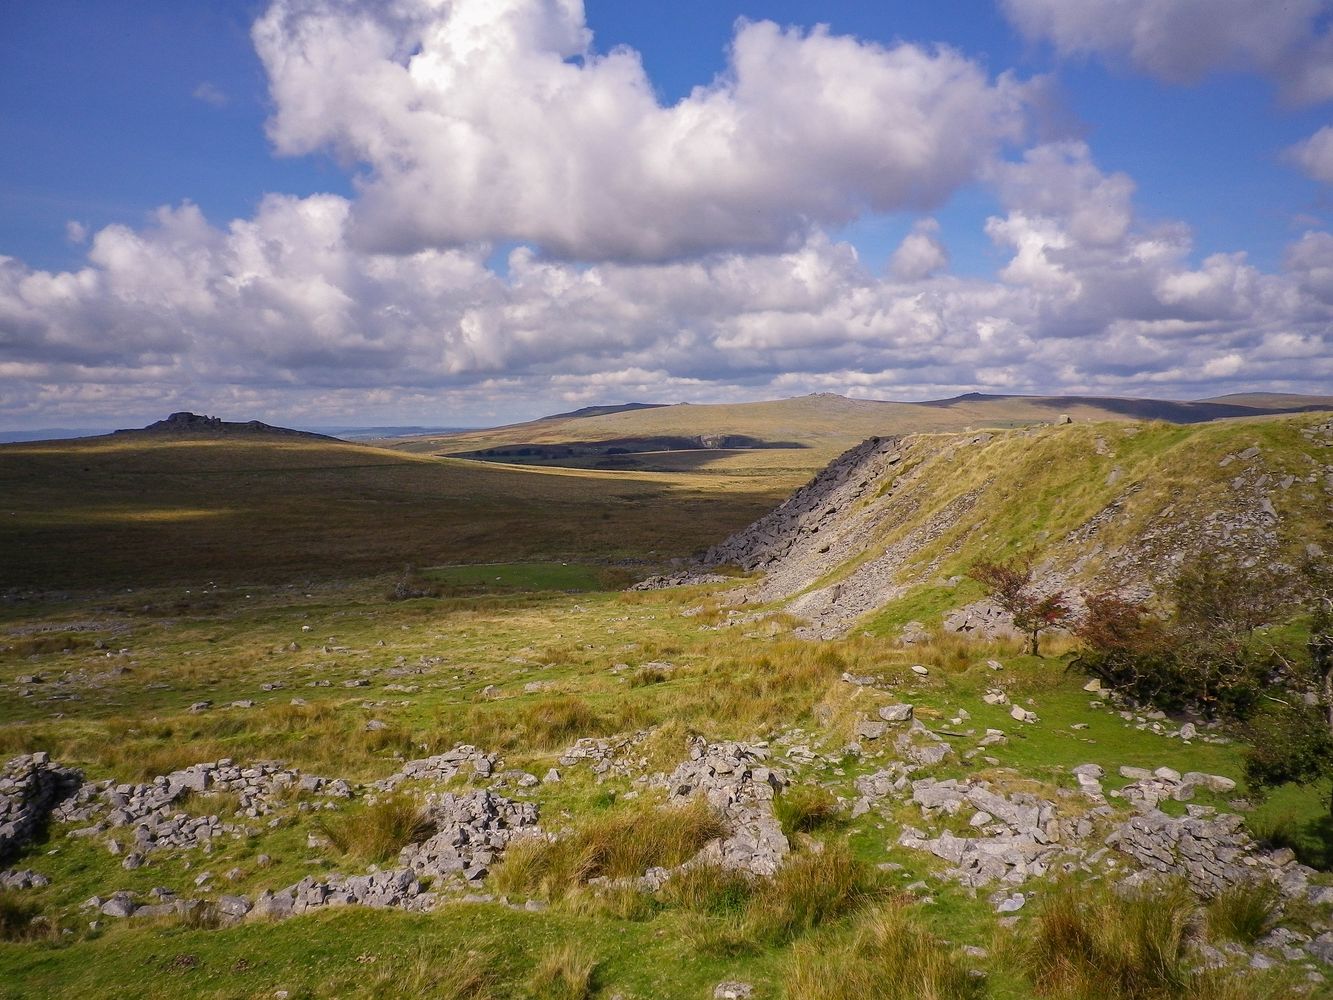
(297, 717)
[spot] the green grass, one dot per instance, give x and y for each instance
(376, 832)
(522, 577)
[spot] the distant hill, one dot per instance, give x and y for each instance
(820, 426)
(602, 411)
(50, 434)
(186, 424)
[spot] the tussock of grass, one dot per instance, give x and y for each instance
(806, 808)
(709, 889)
(1244, 913)
(564, 972)
(542, 725)
(811, 889)
(807, 892)
(1091, 945)
(891, 956)
(17, 917)
(1132, 946)
(647, 676)
(622, 843)
(378, 831)
(440, 974)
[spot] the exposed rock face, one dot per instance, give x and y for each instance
(828, 523)
(30, 786)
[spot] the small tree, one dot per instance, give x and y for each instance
(1009, 584)
(1291, 739)
(1288, 742)
(1128, 648)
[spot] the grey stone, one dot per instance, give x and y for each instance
(896, 713)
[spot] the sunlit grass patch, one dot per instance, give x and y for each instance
(621, 843)
(890, 955)
(376, 832)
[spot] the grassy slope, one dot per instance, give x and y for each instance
(99, 512)
(1038, 485)
(747, 682)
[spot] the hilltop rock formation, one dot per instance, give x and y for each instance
(186, 424)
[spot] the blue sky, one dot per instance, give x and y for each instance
(458, 212)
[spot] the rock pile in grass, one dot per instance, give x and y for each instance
(443, 767)
(736, 780)
(30, 787)
(1210, 850)
(471, 831)
(1016, 836)
(606, 757)
(152, 811)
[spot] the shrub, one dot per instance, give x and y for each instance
(17, 916)
(377, 832)
(1244, 913)
(1009, 584)
(411, 585)
(564, 972)
(1288, 742)
(805, 808)
(891, 956)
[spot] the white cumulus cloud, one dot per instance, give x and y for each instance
(496, 119)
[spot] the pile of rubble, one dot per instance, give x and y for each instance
(442, 767)
(735, 779)
(30, 786)
(471, 831)
(1018, 835)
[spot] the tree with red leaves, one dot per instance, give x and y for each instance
(1009, 584)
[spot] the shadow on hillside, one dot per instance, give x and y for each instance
(1311, 839)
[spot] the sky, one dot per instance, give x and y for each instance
(465, 212)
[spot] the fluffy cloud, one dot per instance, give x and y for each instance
(1181, 41)
(494, 119)
(921, 254)
(285, 306)
(1315, 155)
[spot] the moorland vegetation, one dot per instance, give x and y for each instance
(246, 605)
